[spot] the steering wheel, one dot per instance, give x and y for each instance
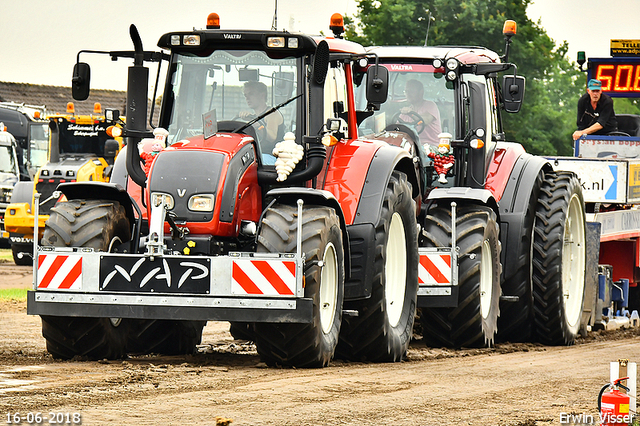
(414, 119)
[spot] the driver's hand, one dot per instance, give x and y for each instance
(405, 110)
(245, 114)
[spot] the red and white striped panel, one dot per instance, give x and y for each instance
(263, 277)
(59, 272)
(434, 269)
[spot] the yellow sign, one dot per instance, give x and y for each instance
(625, 47)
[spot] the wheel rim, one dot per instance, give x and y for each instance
(395, 268)
(328, 288)
(573, 261)
(486, 279)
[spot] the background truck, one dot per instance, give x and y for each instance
(508, 261)
(9, 175)
(609, 171)
(79, 150)
(28, 125)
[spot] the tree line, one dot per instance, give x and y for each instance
(554, 82)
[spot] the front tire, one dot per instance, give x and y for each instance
(313, 344)
(85, 223)
(382, 330)
(559, 260)
(473, 323)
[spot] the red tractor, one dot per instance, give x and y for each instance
(261, 207)
(502, 240)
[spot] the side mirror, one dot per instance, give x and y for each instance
(513, 92)
(80, 81)
(377, 85)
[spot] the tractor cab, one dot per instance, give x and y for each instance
(442, 90)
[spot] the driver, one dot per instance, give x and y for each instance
(427, 110)
(269, 129)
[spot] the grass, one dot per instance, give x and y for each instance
(19, 294)
(5, 255)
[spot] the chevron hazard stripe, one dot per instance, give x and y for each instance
(263, 277)
(434, 269)
(59, 272)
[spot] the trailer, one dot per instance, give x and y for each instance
(608, 167)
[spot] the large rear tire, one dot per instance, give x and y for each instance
(382, 330)
(515, 323)
(85, 223)
(163, 337)
(559, 259)
(473, 323)
(242, 331)
(313, 344)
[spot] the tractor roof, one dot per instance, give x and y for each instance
(465, 54)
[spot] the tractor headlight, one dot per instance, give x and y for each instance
(156, 199)
(201, 203)
(452, 65)
(275, 42)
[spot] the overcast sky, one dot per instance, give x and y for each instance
(39, 40)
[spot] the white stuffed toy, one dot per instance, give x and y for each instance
(288, 153)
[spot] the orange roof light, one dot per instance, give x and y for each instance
(36, 114)
(336, 20)
(337, 24)
(213, 21)
(71, 109)
(97, 108)
(509, 28)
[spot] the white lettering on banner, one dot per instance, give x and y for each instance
(403, 67)
(154, 273)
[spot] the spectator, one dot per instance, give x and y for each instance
(595, 112)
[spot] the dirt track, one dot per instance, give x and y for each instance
(508, 385)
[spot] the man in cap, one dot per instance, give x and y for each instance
(595, 112)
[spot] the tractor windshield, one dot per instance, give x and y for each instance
(236, 86)
(419, 97)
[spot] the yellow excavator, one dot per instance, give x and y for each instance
(79, 150)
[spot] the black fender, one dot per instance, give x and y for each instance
(119, 172)
(22, 193)
(513, 206)
(100, 191)
(318, 197)
(362, 232)
(460, 193)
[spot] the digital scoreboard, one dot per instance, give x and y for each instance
(620, 76)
